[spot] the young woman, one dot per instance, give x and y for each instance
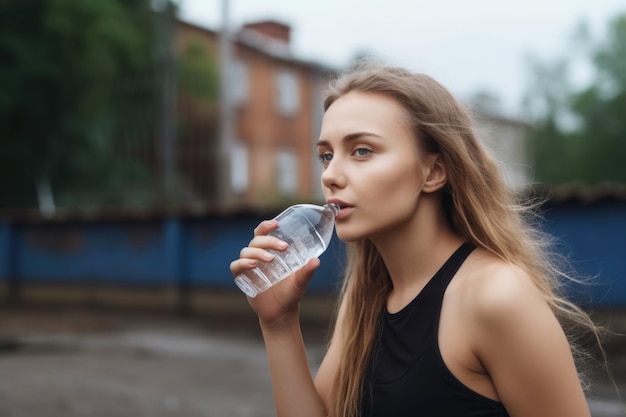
(449, 305)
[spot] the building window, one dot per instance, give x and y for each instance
(287, 94)
(239, 83)
(287, 172)
(239, 168)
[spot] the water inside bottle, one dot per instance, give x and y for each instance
(300, 229)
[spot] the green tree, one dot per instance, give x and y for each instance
(198, 75)
(579, 134)
(63, 64)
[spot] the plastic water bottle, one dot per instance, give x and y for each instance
(307, 229)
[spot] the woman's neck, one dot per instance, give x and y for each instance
(415, 251)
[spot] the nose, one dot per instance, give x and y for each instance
(333, 175)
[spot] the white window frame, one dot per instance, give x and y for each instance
(239, 83)
(239, 176)
(287, 93)
(287, 172)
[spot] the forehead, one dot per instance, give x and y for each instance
(359, 111)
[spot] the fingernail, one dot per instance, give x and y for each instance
(268, 256)
(282, 245)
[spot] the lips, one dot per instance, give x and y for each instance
(341, 204)
(345, 208)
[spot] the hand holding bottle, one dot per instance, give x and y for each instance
(287, 245)
(307, 230)
(281, 303)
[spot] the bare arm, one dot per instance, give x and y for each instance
(295, 394)
(525, 351)
(294, 391)
(291, 375)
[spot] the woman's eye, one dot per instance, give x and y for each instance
(362, 152)
(326, 157)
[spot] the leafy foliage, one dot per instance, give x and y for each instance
(579, 134)
(71, 74)
(198, 74)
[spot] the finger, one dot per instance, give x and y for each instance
(265, 227)
(240, 265)
(268, 242)
(258, 254)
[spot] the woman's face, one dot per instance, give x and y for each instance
(372, 166)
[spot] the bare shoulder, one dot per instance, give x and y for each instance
(518, 341)
(496, 291)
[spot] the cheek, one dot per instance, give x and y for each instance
(391, 198)
(402, 180)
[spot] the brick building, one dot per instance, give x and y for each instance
(277, 111)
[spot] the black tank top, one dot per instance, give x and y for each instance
(408, 376)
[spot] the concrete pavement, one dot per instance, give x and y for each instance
(64, 363)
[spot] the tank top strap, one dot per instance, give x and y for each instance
(428, 302)
(445, 274)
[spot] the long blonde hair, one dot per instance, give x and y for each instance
(479, 206)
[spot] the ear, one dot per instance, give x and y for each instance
(436, 176)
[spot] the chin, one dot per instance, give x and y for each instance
(349, 236)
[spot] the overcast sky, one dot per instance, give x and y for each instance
(468, 45)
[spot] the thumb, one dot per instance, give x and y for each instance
(304, 274)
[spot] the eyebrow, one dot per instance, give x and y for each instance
(349, 138)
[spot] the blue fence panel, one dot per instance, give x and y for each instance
(213, 244)
(196, 252)
(130, 253)
(594, 238)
